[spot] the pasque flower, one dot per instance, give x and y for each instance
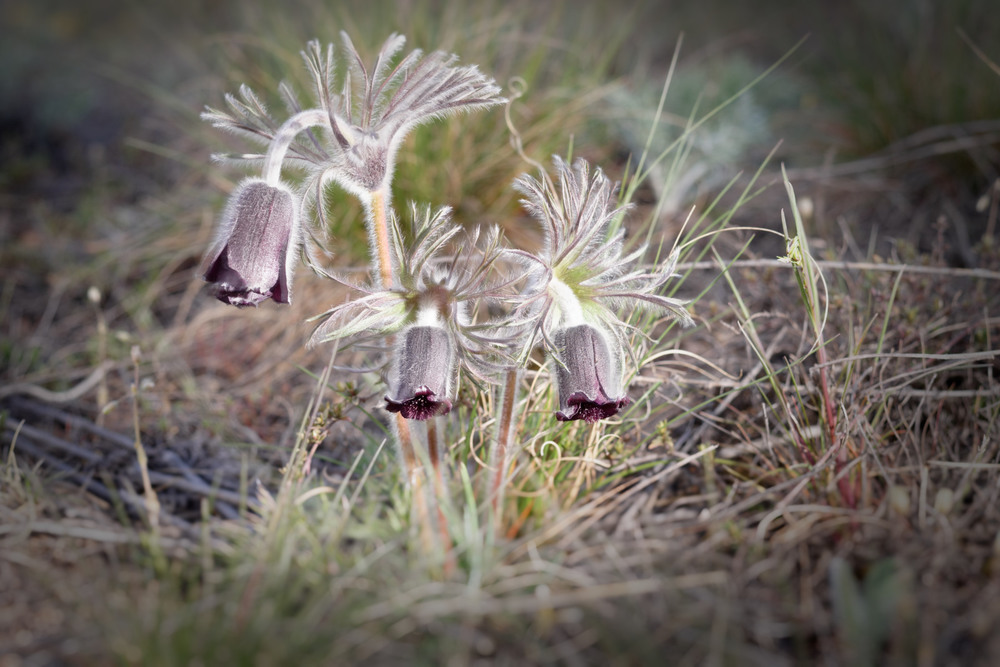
(587, 377)
(377, 108)
(423, 373)
(364, 122)
(578, 282)
(430, 312)
(352, 134)
(254, 252)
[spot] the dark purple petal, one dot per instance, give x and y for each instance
(250, 262)
(586, 373)
(579, 406)
(421, 405)
(424, 367)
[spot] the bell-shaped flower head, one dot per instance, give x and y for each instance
(582, 278)
(588, 377)
(254, 252)
(430, 309)
(424, 364)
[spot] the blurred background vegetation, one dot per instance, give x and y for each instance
(100, 99)
(105, 174)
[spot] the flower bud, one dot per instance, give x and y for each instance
(586, 375)
(424, 370)
(252, 258)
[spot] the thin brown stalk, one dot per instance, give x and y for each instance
(152, 501)
(414, 475)
(844, 484)
(807, 282)
(434, 452)
(501, 447)
(103, 396)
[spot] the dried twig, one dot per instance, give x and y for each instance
(49, 396)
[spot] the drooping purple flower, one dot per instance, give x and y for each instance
(423, 374)
(587, 376)
(253, 255)
(435, 310)
(582, 287)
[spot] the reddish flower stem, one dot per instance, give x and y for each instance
(434, 452)
(380, 223)
(505, 430)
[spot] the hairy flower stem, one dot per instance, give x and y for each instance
(504, 436)
(434, 452)
(376, 208)
(378, 222)
(413, 473)
(283, 139)
(377, 213)
(569, 304)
